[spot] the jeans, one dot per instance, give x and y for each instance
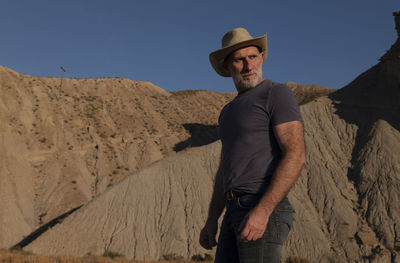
(266, 249)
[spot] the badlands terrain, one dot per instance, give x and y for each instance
(89, 166)
(66, 141)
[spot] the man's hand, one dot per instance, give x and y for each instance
(254, 224)
(208, 234)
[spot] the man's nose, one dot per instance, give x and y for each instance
(247, 65)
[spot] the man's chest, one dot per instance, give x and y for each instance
(243, 117)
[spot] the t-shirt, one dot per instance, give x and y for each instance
(250, 151)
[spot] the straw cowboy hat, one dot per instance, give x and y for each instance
(234, 40)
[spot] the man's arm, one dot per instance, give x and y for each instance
(217, 205)
(291, 141)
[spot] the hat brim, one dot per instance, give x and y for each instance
(218, 57)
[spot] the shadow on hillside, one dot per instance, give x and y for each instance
(37, 233)
(371, 97)
(200, 135)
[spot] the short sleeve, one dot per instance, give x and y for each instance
(282, 105)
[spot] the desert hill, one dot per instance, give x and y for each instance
(64, 141)
(346, 200)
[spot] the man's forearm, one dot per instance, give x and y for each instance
(291, 141)
(283, 179)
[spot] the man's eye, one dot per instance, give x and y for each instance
(252, 56)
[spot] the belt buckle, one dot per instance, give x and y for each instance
(230, 196)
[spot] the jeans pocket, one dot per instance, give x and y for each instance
(279, 225)
(286, 217)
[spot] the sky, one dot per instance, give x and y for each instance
(167, 42)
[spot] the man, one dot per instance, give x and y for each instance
(262, 155)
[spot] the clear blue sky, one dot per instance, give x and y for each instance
(167, 42)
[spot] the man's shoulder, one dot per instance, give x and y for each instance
(268, 89)
(275, 88)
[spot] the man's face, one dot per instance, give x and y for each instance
(245, 66)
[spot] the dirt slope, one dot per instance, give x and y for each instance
(161, 210)
(155, 212)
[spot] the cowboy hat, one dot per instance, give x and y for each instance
(234, 40)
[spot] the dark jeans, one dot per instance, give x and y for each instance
(266, 249)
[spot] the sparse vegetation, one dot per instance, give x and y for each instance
(200, 258)
(112, 254)
(184, 93)
(173, 257)
(18, 255)
(18, 250)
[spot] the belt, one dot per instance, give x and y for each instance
(232, 195)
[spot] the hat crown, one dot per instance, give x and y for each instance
(235, 36)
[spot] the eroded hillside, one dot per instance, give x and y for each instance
(64, 141)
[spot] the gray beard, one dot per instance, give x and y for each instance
(245, 84)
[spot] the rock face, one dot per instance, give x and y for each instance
(346, 199)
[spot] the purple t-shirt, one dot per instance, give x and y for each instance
(250, 151)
